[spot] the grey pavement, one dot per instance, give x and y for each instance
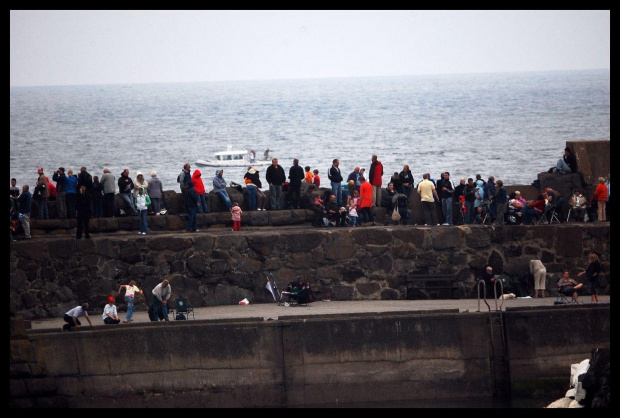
(271, 311)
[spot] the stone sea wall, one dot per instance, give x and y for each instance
(299, 361)
(49, 276)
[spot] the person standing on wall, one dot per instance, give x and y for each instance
(428, 194)
(335, 177)
(109, 189)
(83, 212)
(366, 193)
(24, 206)
(275, 177)
(600, 197)
(45, 194)
(60, 178)
(375, 176)
(446, 193)
(295, 176)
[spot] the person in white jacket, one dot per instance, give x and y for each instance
(142, 203)
(538, 270)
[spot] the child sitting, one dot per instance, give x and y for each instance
(110, 316)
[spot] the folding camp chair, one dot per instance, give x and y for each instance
(544, 217)
(556, 211)
(182, 308)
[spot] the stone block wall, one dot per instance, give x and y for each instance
(50, 276)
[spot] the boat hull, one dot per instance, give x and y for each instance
(238, 163)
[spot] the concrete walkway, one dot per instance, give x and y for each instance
(271, 311)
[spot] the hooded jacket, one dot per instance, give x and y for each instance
(219, 184)
(155, 189)
(253, 176)
(197, 180)
(137, 183)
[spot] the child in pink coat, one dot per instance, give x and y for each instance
(236, 216)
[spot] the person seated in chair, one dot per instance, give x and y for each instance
(568, 286)
(333, 212)
(578, 205)
(533, 208)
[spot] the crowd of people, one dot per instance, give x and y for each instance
(83, 196)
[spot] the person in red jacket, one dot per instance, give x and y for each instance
(52, 188)
(374, 178)
(600, 196)
(200, 189)
(366, 195)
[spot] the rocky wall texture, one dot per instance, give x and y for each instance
(50, 276)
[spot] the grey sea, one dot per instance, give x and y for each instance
(509, 125)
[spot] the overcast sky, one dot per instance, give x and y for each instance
(110, 47)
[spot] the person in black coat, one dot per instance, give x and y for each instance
(295, 175)
(82, 208)
(275, 177)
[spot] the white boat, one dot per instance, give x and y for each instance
(235, 158)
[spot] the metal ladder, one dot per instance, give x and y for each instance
(498, 356)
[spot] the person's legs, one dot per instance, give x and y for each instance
(296, 196)
(70, 204)
(251, 191)
(562, 167)
(129, 202)
(129, 316)
(191, 214)
(98, 206)
(601, 212)
(539, 283)
(87, 227)
(501, 209)
(108, 205)
(143, 220)
(261, 199)
(26, 224)
(157, 307)
(155, 204)
(60, 205)
(277, 193)
(469, 215)
(80, 224)
(203, 203)
(446, 204)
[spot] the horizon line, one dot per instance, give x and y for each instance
(128, 84)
